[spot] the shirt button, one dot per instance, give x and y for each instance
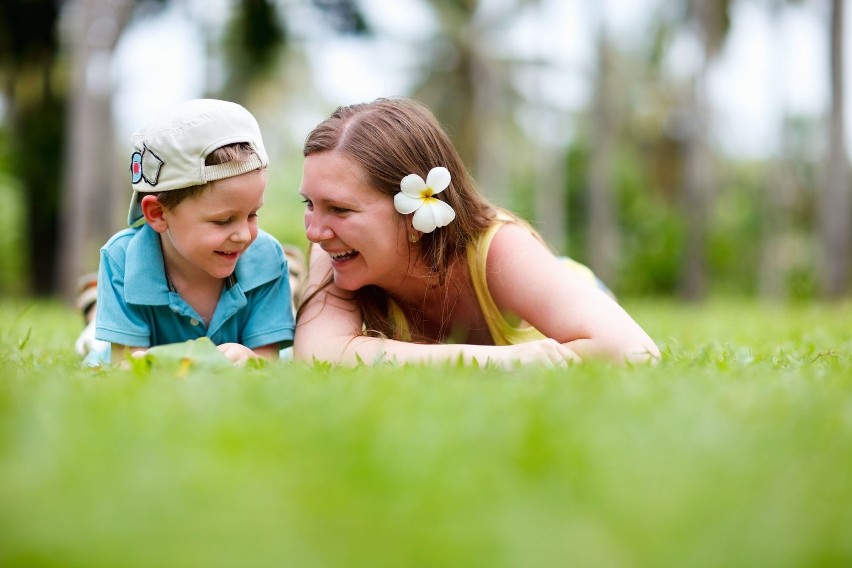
(175, 308)
(193, 322)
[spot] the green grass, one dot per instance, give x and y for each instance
(735, 451)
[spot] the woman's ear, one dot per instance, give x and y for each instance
(413, 234)
(154, 211)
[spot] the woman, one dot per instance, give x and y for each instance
(410, 263)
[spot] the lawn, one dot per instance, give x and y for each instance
(735, 451)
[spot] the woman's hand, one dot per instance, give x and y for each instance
(543, 351)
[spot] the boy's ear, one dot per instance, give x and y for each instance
(153, 211)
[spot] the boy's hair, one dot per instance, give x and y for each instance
(239, 152)
(389, 139)
(172, 152)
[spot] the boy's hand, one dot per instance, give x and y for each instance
(236, 353)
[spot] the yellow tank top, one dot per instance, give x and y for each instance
(502, 332)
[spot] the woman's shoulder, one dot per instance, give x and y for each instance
(511, 241)
(508, 226)
(503, 246)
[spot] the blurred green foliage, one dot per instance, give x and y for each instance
(647, 117)
(283, 210)
(11, 221)
(649, 219)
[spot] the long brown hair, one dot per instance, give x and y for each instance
(391, 138)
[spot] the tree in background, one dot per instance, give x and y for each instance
(602, 233)
(834, 210)
(93, 29)
(643, 175)
(711, 22)
(34, 91)
(462, 81)
(777, 255)
(68, 215)
(254, 42)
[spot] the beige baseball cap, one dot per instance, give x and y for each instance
(169, 151)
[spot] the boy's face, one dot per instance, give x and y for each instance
(208, 232)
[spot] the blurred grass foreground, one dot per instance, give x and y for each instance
(736, 451)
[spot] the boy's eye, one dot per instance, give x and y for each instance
(222, 222)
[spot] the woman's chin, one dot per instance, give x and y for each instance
(346, 283)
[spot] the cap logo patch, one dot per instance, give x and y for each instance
(136, 167)
(145, 165)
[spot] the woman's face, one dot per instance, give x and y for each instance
(356, 225)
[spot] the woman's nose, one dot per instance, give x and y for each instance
(316, 230)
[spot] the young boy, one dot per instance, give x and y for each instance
(193, 262)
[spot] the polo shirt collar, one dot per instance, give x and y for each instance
(145, 280)
(263, 262)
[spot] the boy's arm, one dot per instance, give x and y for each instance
(119, 353)
(268, 351)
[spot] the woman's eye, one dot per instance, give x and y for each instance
(340, 210)
(308, 204)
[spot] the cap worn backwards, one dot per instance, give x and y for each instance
(169, 152)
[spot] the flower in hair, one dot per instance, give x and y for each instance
(418, 197)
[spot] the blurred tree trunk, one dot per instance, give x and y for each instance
(711, 22)
(548, 158)
(488, 141)
(35, 108)
(774, 263)
(834, 207)
(697, 198)
(602, 235)
(256, 41)
(88, 199)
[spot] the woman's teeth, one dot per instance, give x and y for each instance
(343, 255)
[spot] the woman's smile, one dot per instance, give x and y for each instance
(343, 256)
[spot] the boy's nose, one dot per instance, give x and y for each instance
(242, 233)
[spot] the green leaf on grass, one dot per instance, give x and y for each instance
(183, 357)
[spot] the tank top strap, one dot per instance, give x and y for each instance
(502, 332)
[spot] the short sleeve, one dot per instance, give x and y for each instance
(115, 320)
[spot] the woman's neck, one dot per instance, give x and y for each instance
(434, 309)
(422, 287)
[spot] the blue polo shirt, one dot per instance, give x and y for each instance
(137, 308)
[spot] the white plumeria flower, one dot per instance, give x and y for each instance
(417, 196)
